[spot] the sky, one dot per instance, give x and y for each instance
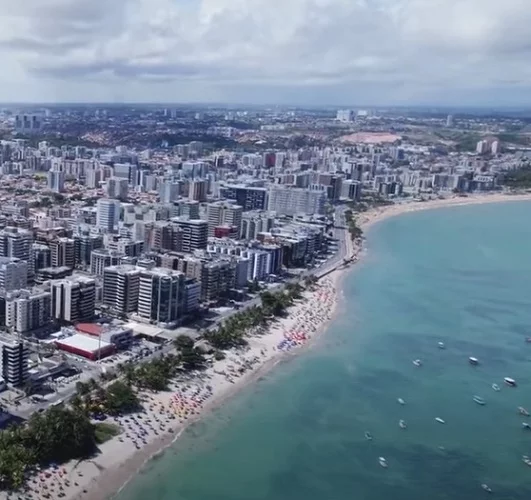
(302, 52)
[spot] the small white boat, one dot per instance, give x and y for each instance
(401, 401)
(496, 387)
(368, 436)
(417, 362)
(383, 462)
(473, 361)
(441, 345)
(402, 424)
(523, 411)
(510, 381)
(479, 401)
(526, 426)
(440, 420)
(526, 460)
(486, 488)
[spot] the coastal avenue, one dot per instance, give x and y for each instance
(340, 234)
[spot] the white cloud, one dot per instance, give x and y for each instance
(202, 49)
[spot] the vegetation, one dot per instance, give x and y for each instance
(518, 179)
(104, 432)
(233, 331)
(355, 231)
(55, 436)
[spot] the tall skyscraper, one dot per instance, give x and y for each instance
(15, 366)
(28, 310)
(161, 295)
(117, 188)
(194, 234)
(15, 242)
(13, 274)
(221, 213)
(169, 191)
(56, 181)
(73, 299)
(120, 288)
(63, 252)
(108, 214)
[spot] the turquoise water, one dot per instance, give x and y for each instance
(458, 275)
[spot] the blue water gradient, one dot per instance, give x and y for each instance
(459, 275)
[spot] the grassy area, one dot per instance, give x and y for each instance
(104, 432)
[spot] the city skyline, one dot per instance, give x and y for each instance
(299, 52)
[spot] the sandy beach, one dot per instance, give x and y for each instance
(168, 413)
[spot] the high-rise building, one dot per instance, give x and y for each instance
(117, 188)
(163, 235)
(73, 299)
(169, 191)
(28, 310)
(126, 171)
(291, 201)
(194, 234)
(83, 246)
(13, 274)
(42, 256)
(108, 214)
(63, 252)
(120, 288)
(250, 198)
(15, 362)
(254, 223)
(345, 115)
(221, 213)
(102, 258)
(197, 190)
(56, 181)
(449, 121)
(161, 296)
(15, 242)
(28, 124)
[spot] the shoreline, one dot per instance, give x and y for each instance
(107, 474)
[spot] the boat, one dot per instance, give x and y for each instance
(417, 362)
(496, 387)
(473, 361)
(510, 381)
(402, 424)
(401, 401)
(479, 401)
(526, 426)
(526, 460)
(440, 420)
(528, 340)
(486, 488)
(523, 411)
(441, 345)
(368, 436)
(383, 462)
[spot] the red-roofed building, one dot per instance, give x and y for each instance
(90, 329)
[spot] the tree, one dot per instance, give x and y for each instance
(120, 398)
(192, 359)
(183, 342)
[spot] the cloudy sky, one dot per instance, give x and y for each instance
(267, 51)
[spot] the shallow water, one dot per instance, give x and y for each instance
(459, 275)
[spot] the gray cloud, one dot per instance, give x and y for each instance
(403, 48)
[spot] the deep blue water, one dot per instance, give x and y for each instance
(458, 275)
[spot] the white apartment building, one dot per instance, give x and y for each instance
(13, 274)
(286, 200)
(73, 299)
(108, 214)
(28, 310)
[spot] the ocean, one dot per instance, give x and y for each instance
(459, 275)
